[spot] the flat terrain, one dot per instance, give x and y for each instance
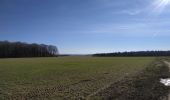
(63, 77)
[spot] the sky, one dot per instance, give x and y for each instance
(88, 26)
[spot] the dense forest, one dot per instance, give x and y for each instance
(20, 49)
(134, 54)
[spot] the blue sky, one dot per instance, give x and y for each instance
(88, 26)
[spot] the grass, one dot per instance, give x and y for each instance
(144, 85)
(63, 77)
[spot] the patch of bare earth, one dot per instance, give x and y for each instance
(143, 86)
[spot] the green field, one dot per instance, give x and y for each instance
(63, 77)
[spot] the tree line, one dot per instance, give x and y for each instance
(134, 54)
(21, 49)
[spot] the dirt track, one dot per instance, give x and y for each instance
(144, 85)
(168, 64)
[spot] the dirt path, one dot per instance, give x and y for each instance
(168, 64)
(143, 85)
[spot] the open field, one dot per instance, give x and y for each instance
(64, 77)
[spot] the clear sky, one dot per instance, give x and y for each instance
(88, 26)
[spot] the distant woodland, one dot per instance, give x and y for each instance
(20, 49)
(134, 54)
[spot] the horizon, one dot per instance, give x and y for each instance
(88, 27)
(87, 53)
